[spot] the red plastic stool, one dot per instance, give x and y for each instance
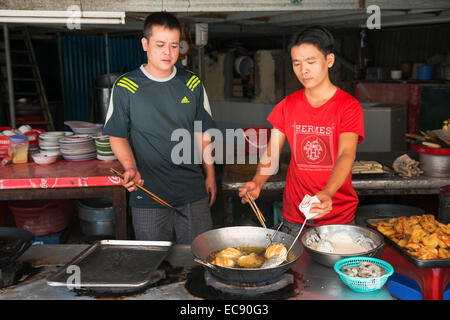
(432, 281)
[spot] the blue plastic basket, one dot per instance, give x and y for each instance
(363, 284)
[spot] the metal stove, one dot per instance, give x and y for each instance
(16, 273)
(9, 273)
(311, 281)
(248, 289)
(201, 284)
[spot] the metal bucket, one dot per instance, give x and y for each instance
(437, 166)
(96, 217)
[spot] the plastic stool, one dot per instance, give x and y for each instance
(432, 281)
(447, 293)
(403, 288)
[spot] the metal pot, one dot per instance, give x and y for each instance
(433, 162)
(330, 259)
(435, 165)
(106, 80)
(96, 217)
(222, 238)
(103, 88)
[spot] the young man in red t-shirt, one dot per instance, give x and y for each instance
(323, 126)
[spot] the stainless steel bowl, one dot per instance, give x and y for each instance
(330, 259)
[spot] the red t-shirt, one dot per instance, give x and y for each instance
(313, 135)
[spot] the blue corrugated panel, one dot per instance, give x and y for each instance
(125, 54)
(84, 59)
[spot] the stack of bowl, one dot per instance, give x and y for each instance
(77, 148)
(48, 141)
(104, 151)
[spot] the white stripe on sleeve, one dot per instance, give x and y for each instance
(206, 105)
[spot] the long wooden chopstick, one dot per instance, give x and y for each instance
(255, 210)
(258, 214)
(154, 197)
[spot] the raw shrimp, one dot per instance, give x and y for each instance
(364, 270)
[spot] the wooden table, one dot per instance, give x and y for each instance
(67, 180)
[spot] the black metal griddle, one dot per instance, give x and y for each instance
(115, 266)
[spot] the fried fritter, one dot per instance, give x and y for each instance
(230, 253)
(421, 236)
(224, 262)
(250, 261)
(275, 250)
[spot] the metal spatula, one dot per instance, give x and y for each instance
(275, 261)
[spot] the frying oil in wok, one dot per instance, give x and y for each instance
(245, 250)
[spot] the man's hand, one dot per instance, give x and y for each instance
(122, 151)
(130, 178)
(325, 205)
(211, 188)
(252, 188)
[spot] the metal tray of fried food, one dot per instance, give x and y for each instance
(388, 172)
(434, 263)
(113, 264)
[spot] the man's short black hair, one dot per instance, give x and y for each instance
(316, 35)
(164, 19)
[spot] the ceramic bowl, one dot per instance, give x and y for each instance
(52, 136)
(106, 158)
(25, 128)
(101, 138)
(9, 133)
(41, 158)
(50, 153)
(396, 74)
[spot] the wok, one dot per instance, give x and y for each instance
(222, 238)
(13, 243)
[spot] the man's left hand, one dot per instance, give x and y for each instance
(210, 183)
